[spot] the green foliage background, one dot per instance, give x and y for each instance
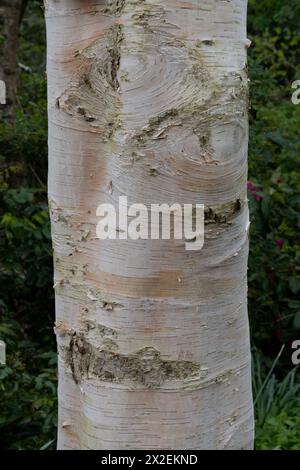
(28, 382)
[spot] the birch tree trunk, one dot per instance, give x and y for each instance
(10, 16)
(148, 99)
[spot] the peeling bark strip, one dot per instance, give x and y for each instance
(148, 99)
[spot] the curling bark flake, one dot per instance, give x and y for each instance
(149, 99)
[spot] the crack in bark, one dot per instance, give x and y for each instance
(223, 213)
(115, 55)
(145, 366)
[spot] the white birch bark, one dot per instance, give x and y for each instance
(148, 99)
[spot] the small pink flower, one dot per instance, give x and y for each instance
(254, 190)
(280, 243)
(250, 186)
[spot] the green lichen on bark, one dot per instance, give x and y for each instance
(199, 69)
(143, 16)
(115, 7)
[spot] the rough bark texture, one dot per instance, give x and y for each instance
(10, 16)
(148, 99)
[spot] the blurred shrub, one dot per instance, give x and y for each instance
(277, 404)
(274, 197)
(274, 277)
(28, 381)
